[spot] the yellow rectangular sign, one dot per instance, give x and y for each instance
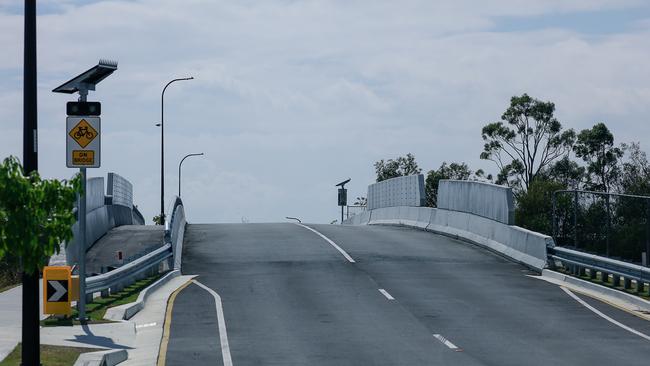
(83, 157)
(56, 290)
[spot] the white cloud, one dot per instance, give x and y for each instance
(292, 96)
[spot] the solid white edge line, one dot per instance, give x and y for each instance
(223, 336)
(446, 342)
(385, 293)
(346, 255)
(599, 313)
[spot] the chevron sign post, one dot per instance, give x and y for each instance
(56, 290)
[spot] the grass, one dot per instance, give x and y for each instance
(96, 309)
(9, 287)
(50, 355)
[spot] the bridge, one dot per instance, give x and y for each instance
(397, 284)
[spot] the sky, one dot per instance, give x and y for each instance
(291, 97)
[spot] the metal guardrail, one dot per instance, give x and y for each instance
(129, 272)
(578, 261)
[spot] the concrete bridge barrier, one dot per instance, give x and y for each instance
(521, 245)
(481, 213)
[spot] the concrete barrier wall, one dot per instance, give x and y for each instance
(138, 218)
(103, 212)
(177, 231)
(400, 191)
(120, 189)
(483, 199)
(94, 193)
(524, 246)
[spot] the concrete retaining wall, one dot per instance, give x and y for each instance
(524, 246)
(400, 191)
(483, 199)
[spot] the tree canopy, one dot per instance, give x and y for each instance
(526, 140)
(36, 215)
(596, 148)
(402, 166)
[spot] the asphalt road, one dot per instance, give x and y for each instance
(130, 239)
(290, 298)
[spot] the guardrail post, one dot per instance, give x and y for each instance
(116, 288)
(592, 274)
(616, 280)
(105, 293)
(639, 286)
(627, 283)
(604, 277)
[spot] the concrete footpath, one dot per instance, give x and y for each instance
(140, 336)
(11, 305)
(149, 324)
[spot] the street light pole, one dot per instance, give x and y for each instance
(179, 170)
(30, 354)
(162, 148)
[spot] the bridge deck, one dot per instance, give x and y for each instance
(290, 298)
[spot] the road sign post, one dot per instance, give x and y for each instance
(343, 196)
(57, 286)
(83, 150)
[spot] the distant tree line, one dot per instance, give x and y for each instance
(536, 156)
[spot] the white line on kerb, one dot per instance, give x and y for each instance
(446, 342)
(584, 303)
(145, 325)
(223, 336)
(385, 293)
(346, 255)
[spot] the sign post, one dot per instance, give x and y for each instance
(83, 150)
(343, 196)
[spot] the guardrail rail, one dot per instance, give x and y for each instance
(584, 264)
(147, 265)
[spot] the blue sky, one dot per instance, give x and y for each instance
(291, 97)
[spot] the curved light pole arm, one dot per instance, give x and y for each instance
(179, 170)
(162, 148)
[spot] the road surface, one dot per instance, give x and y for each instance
(401, 297)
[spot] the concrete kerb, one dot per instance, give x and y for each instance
(127, 311)
(608, 294)
(102, 358)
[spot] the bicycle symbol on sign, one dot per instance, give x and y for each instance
(83, 131)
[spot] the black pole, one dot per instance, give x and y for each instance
(162, 155)
(162, 148)
(554, 217)
(607, 227)
(30, 329)
(575, 219)
(647, 234)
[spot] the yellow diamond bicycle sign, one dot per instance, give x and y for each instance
(83, 133)
(83, 142)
